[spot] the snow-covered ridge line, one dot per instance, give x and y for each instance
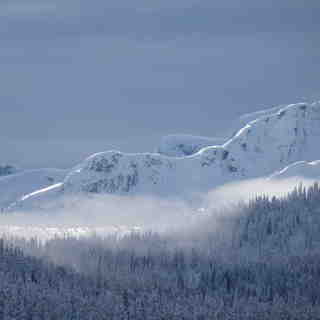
(263, 146)
(247, 117)
(303, 169)
(181, 145)
(15, 186)
(52, 187)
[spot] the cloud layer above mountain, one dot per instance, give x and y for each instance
(90, 76)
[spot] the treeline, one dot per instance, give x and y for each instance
(262, 262)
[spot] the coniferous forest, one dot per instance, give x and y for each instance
(258, 260)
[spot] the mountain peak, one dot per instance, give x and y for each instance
(182, 145)
(264, 145)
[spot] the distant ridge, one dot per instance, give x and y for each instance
(263, 146)
(182, 145)
(14, 186)
(300, 169)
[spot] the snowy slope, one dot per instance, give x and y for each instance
(243, 120)
(300, 169)
(263, 146)
(248, 117)
(15, 186)
(181, 145)
(275, 141)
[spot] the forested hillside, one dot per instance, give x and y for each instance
(260, 260)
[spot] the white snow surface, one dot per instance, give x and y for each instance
(181, 145)
(300, 169)
(265, 145)
(15, 186)
(247, 117)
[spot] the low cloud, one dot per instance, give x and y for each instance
(105, 214)
(233, 193)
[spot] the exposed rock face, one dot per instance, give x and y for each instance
(263, 146)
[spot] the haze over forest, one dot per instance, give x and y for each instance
(159, 160)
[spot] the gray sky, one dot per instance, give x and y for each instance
(78, 77)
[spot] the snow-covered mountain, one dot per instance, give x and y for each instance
(248, 117)
(181, 145)
(14, 186)
(300, 169)
(263, 146)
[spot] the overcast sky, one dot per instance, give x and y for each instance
(79, 76)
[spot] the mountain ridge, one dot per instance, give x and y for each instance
(263, 146)
(16, 186)
(300, 169)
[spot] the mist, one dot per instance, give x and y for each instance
(103, 215)
(259, 259)
(234, 193)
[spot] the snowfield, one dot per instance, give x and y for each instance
(16, 186)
